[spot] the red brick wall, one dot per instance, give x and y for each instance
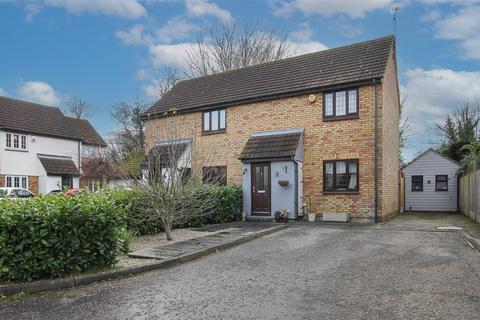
(33, 184)
(324, 140)
(390, 111)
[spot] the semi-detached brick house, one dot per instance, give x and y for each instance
(316, 132)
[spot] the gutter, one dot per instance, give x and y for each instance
(375, 161)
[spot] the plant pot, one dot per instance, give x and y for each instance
(312, 217)
(283, 183)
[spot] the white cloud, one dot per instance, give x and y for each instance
(39, 92)
(353, 9)
(463, 26)
(301, 41)
(32, 9)
(175, 29)
(134, 36)
(307, 47)
(131, 9)
(304, 34)
(200, 8)
(169, 54)
(431, 95)
(2, 92)
(431, 16)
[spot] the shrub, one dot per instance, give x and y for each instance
(132, 202)
(126, 237)
(53, 236)
(229, 206)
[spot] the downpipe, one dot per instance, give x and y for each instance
(375, 160)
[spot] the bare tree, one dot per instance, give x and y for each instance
(172, 188)
(78, 108)
(229, 48)
(130, 137)
(168, 78)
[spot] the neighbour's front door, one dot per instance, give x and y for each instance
(67, 181)
(261, 199)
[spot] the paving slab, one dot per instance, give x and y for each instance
(222, 234)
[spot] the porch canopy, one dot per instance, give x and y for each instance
(273, 145)
(166, 153)
(58, 166)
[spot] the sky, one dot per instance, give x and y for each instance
(111, 51)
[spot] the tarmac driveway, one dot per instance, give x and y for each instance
(386, 271)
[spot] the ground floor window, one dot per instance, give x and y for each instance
(95, 185)
(417, 183)
(16, 182)
(215, 175)
(340, 175)
(441, 182)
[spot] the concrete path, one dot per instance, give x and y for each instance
(304, 272)
(220, 234)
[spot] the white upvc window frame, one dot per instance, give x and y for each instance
(16, 141)
(11, 181)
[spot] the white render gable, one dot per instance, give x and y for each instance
(25, 162)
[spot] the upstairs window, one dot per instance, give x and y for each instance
(441, 182)
(215, 175)
(340, 104)
(214, 121)
(16, 141)
(417, 183)
(340, 176)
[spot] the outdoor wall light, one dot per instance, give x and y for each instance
(245, 171)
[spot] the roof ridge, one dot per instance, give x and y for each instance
(290, 58)
(30, 102)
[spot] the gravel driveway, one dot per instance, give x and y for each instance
(299, 273)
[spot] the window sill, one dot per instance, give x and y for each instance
(337, 118)
(17, 150)
(341, 192)
(207, 133)
(417, 190)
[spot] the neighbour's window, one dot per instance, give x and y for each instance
(16, 182)
(214, 121)
(340, 104)
(340, 176)
(16, 141)
(95, 185)
(417, 183)
(441, 182)
(215, 175)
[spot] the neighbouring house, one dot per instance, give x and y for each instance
(40, 148)
(431, 183)
(315, 133)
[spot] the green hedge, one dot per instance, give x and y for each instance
(131, 201)
(54, 236)
(229, 207)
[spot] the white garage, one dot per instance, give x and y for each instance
(431, 183)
